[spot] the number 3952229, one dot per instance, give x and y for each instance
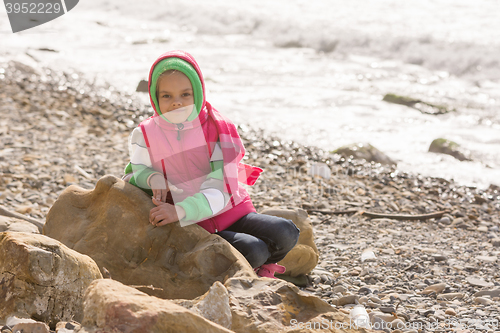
(33, 8)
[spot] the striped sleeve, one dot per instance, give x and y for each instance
(140, 163)
(212, 197)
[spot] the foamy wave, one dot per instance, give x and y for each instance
(294, 23)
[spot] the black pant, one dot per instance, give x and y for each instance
(262, 239)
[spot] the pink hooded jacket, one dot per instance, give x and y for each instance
(182, 153)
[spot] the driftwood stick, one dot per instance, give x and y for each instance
(5, 212)
(404, 217)
(332, 212)
(146, 287)
(380, 215)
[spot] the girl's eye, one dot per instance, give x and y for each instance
(165, 96)
(186, 94)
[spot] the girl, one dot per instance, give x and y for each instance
(188, 157)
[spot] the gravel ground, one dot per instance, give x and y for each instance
(427, 274)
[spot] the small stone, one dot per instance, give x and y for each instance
(353, 272)
(13, 321)
(24, 209)
(495, 242)
(421, 285)
(349, 299)
(480, 312)
(477, 282)
(383, 316)
(482, 229)
(427, 313)
(492, 293)
(445, 220)
(37, 327)
(483, 301)
(439, 257)
(364, 291)
(437, 288)
(69, 179)
(363, 299)
(490, 259)
(325, 279)
(450, 312)
(450, 296)
(339, 289)
(397, 324)
(387, 309)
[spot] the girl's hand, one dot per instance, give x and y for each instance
(165, 213)
(160, 187)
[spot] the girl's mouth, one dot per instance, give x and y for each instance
(179, 110)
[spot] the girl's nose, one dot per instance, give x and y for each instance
(177, 103)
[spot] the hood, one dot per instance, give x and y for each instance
(185, 63)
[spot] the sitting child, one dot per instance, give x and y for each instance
(188, 157)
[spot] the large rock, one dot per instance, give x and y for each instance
(42, 279)
(264, 305)
(364, 151)
(110, 306)
(111, 225)
(243, 305)
(305, 255)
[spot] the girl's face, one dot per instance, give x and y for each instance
(175, 97)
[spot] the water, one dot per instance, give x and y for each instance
(311, 71)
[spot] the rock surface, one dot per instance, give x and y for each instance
(243, 305)
(41, 278)
(17, 225)
(110, 306)
(304, 256)
(110, 224)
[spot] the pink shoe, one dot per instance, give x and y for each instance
(268, 270)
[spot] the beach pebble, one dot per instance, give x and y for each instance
(450, 296)
(489, 259)
(436, 288)
(478, 282)
(482, 229)
(495, 242)
(492, 293)
(483, 301)
(339, 289)
(439, 257)
(350, 299)
(445, 220)
(450, 312)
(387, 309)
(364, 291)
(398, 324)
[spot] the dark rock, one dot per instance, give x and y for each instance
(364, 151)
(142, 86)
(444, 146)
